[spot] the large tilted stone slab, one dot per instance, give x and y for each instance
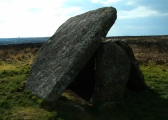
(112, 73)
(60, 60)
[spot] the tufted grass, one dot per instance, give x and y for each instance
(17, 103)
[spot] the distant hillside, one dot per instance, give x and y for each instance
(160, 41)
(129, 39)
(10, 41)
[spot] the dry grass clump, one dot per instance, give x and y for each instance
(150, 54)
(21, 54)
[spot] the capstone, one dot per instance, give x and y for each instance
(60, 60)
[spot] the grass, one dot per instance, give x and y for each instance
(16, 103)
(157, 78)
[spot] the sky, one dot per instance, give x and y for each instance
(41, 18)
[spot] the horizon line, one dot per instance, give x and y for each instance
(106, 36)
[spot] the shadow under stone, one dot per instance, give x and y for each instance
(84, 84)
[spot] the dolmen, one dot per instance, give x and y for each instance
(78, 57)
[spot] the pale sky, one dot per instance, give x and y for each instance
(41, 18)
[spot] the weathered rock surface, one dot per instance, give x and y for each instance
(136, 81)
(112, 73)
(60, 60)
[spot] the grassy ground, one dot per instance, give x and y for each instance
(16, 103)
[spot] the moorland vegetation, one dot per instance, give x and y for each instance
(18, 103)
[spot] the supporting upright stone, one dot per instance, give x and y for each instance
(112, 73)
(136, 81)
(60, 60)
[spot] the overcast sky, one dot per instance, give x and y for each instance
(41, 18)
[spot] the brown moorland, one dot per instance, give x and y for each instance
(147, 49)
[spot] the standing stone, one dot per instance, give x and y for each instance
(136, 81)
(112, 73)
(60, 60)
